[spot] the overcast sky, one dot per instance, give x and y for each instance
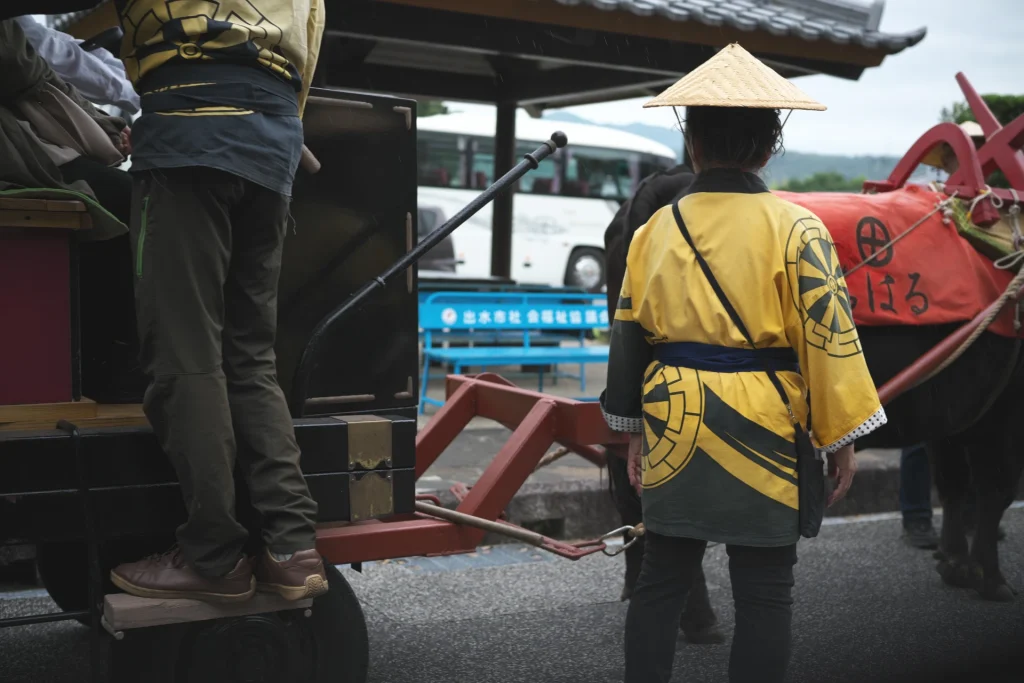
(893, 104)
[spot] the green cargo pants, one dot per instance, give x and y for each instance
(207, 247)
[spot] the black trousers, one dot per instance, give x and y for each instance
(762, 582)
(208, 249)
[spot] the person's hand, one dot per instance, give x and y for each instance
(634, 464)
(842, 465)
(125, 144)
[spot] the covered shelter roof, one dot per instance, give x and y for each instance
(542, 54)
(553, 53)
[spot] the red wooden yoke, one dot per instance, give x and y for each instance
(537, 421)
(1001, 151)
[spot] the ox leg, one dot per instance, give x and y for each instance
(996, 470)
(951, 473)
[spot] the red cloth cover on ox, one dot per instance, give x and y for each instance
(35, 317)
(932, 276)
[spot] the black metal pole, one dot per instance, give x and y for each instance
(92, 546)
(302, 374)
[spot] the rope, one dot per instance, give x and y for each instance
(551, 457)
(1010, 292)
(1018, 240)
(941, 206)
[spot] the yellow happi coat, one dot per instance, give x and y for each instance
(719, 455)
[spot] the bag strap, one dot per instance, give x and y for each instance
(727, 305)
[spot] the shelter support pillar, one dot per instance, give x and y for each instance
(504, 160)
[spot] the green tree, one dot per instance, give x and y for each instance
(430, 108)
(823, 182)
(1006, 108)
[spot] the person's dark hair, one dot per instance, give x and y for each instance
(741, 137)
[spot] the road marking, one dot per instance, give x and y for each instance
(24, 594)
(505, 554)
(888, 516)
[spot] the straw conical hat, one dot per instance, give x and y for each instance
(935, 156)
(734, 78)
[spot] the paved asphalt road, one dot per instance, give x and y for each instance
(868, 609)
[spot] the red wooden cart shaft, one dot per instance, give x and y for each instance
(907, 378)
(537, 421)
(376, 540)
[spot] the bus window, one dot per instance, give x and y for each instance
(603, 173)
(482, 168)
(481, 171)
(439, 160)
(545, 179)
(650, 164)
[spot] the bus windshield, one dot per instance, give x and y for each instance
(457, 151)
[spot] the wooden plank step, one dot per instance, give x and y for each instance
(65, 220)
(122, 612)
(48, 412)
(39, 204)
(84, 414)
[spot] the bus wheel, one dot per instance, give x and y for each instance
(586, 269)
(329, 646)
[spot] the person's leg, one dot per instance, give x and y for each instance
(627, 502)
(762, 585)
(916, 498)
(181, 234)
(698, 621)
(267, 450)
(652, 621)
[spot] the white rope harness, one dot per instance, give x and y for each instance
(1007, 262)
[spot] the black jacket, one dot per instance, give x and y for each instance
(659, 189)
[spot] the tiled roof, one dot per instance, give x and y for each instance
(842, 22)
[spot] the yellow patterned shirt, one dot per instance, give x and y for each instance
(223, 84)
(282, 36)
(719, 455)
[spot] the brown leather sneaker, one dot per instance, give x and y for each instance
(300, 576)
(169, 576)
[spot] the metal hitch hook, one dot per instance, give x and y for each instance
(635, 532)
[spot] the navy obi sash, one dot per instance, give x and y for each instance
(714, 358)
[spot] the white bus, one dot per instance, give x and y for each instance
(560, 211)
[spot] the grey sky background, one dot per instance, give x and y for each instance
(893, 104)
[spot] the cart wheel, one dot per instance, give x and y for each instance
(330, 646)
(63, 567)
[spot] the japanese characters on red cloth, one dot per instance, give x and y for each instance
(930, 277)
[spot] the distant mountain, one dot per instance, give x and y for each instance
(780, 169)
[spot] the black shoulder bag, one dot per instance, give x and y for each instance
(810, 473)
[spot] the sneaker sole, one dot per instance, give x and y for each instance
(313, 587)
(141, 592)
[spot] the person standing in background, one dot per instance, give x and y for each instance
(698, 622)
(916, 498)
